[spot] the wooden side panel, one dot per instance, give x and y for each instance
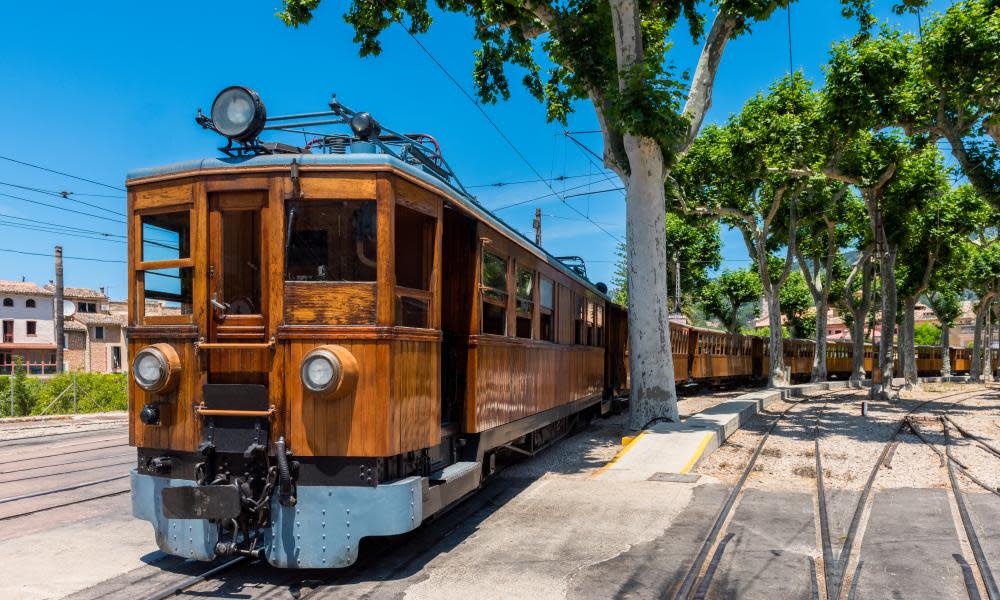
(329, 303)
(516, 379)
(180, 429)
(416, 392)
(360, 424)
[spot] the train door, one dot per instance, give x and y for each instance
(458, 281)
(237, 287)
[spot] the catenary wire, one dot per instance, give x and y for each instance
(93, 216)
(25, 252)
(28, 164)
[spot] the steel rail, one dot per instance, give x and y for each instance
(968, 434)
(48, 508)
(970, 529)
(687, 587)
(190, 582)
(4, 444)
(68, 462)
(57, 425)
(94, 468)
(67, 488)
(27, 458)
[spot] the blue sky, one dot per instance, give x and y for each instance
(96, 90)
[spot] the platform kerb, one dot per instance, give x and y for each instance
(680, 447)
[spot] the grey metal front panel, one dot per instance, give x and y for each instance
(190, 538)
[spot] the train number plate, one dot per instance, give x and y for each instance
(201, 502)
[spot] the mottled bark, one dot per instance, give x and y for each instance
(859, 308)
(978, 358)
(945, 350)
(907, 345)
(650, 362)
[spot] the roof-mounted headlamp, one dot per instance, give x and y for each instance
(238, 113)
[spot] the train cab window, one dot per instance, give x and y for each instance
(414, 266)
(172, 287)
(546, 309)
(494, 294)
(525, 301)
(591, 319)
(580, 321)
(166, 236)
(331, 241)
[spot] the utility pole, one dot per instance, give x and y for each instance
(59, 310)
(677, 283)
(537, 225)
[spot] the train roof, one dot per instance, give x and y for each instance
(361, 159)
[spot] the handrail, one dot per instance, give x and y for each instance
(218, 412)
(202, 345)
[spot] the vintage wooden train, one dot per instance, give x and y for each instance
(708, 356)
(328, 346)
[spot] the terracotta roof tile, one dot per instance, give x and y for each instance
(77, 293)
(99, 319)
(26, 288)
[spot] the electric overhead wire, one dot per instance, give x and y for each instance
(26, 253)
(69, 227)
(509, 183)
(25, 227)
(65, 195)
(495, 126)
(93, 216)
(71, 176)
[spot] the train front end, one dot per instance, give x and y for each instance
(284, 340)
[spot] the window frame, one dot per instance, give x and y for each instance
(99, 332)
(529, 299)
(505, 292)
(8, 303)
(433, 246)
(31, 328)
(30, 303)
(142, 266)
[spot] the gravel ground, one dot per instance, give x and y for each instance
(850, 443)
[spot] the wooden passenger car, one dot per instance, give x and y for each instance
(457, 335)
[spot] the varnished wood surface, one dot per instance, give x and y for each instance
(329, 303)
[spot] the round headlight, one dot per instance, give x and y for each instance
(155, 367)
(320, 370)
(238, 113)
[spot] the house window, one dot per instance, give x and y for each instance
(8, 302)
(65, 341)
(116, 358)
(494, 294)
(86, 307)
(525, 301)
(546, 308)
(29, 303)
(98, 333)
(31, 327)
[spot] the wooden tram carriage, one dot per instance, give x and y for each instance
(351, 340)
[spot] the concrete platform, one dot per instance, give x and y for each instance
(680, 447)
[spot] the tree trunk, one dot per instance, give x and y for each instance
(650, 361)
(858, 373)
(976, 369)
(945, 350)
(887, 276)
(819, 360)
(907, 344)
(776, 346)
(987, 372)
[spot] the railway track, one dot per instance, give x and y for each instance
(697, 581)
(71, 472)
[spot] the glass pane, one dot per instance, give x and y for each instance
(414, 248)
(171, 287)
(546, 293)
(494, 271)
(166, 236)
(494, 319)
(241, 262)
(525, 282)
(524, 327)
(411, 312)
(331, 241)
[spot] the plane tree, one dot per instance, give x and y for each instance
(725, 296)
(832, 217)
(984, 281)
(613, 55)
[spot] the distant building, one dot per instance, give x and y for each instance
(93, 336)
(26, 318)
